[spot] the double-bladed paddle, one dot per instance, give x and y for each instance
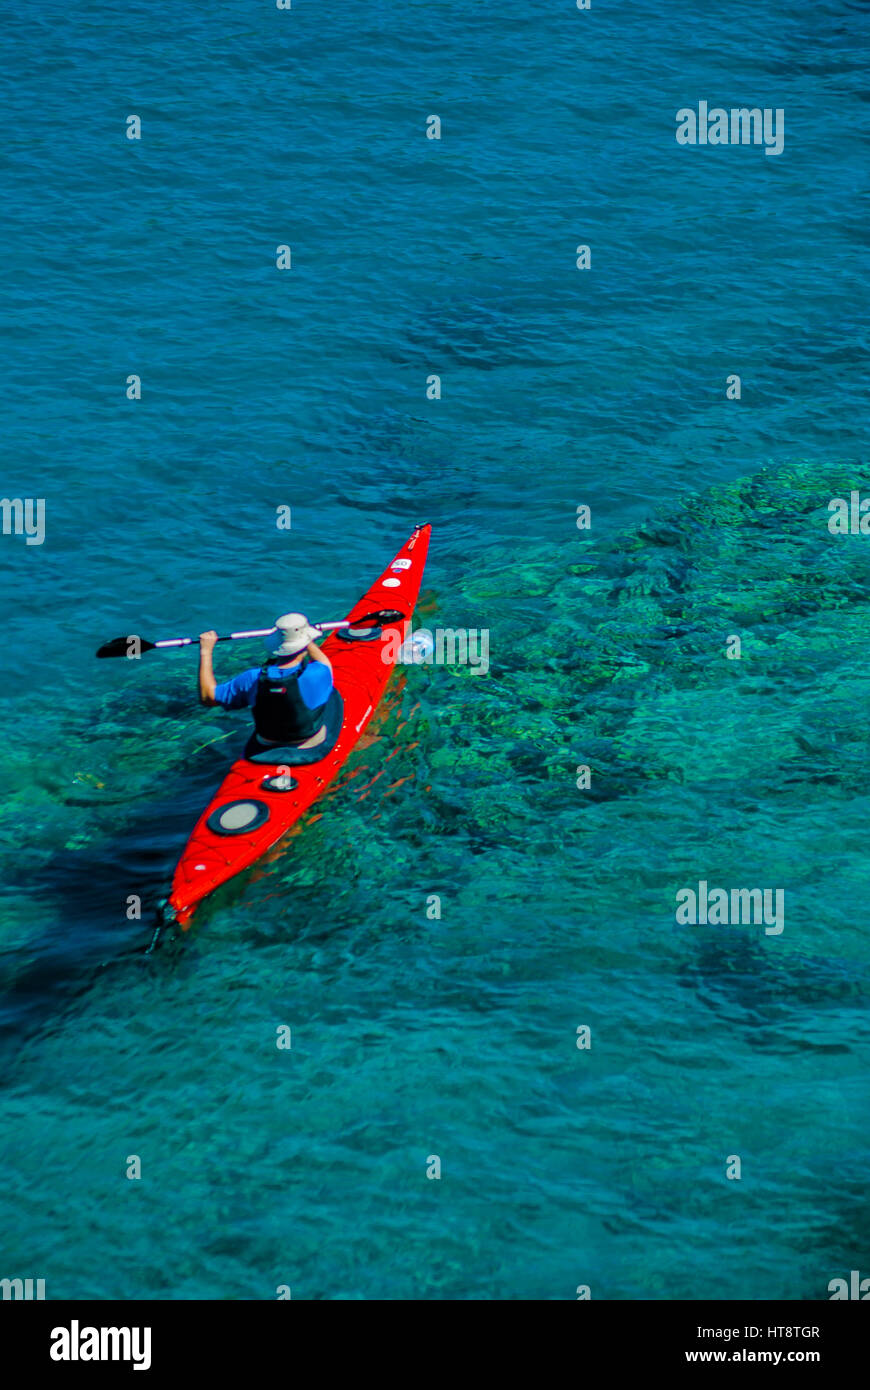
(134, 646)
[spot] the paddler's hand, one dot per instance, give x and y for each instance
(207, 641)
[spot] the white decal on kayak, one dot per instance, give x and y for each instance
(199, 866)
(400, 565)
(364, 718)
(391, 583)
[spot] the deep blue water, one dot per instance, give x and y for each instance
(306, 388)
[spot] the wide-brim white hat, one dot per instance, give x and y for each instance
(292, 634)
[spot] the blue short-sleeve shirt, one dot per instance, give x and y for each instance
(315, 685)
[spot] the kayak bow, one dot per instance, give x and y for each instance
(256, 804)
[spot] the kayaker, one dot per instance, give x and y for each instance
(288, 695)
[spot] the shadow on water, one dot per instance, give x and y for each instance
(87, 923)
(87, 930)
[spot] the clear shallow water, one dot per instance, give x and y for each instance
(454, 1037)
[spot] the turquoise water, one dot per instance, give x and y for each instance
(453, 1037)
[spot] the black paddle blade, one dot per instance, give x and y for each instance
(383, 615)
(125, 646)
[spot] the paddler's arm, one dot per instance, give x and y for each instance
(317, 655)
(207, 682)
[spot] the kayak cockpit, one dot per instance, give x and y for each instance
(304, 754)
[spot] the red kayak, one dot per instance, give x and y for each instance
(259, 801)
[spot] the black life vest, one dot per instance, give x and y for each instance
(280, 713)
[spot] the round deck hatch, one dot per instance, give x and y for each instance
(238, 817)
